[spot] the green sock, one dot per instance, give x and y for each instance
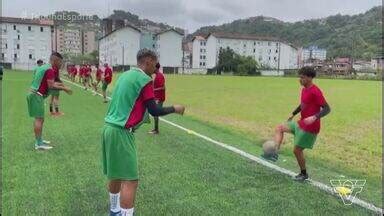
(39, 141)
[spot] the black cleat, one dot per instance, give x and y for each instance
(301, 177)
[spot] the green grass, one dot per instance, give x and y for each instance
(179, 174)
(350, 142)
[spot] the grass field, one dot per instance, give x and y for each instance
(182, 174)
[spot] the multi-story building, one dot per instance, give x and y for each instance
(71, 39)
(122, 41)
(270, 52)
(24, 41)
(169, 48)
(88, 42)
(199, 52)
(120, 46)
(68, 40)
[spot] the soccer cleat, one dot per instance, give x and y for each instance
(154, 132)
(111, 213)
(59, 114)
(43, 147)
(46, 142)
(301, 177)
(270, 157)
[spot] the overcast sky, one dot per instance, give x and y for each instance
(192, 14)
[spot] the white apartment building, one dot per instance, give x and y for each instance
(120, 46)
(270, 52)
(169, 48)
(24, 41)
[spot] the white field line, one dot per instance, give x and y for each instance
(258, 160)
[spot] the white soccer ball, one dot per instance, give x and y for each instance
(269, 147)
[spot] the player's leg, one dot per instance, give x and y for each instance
(38, 129)
(51, 102)
(56, 104)
(114, 187)
(120, 165)
(302, 140)
(104, 89)
(156, 120)
(127, 197)
(279, 133)
(299, 154)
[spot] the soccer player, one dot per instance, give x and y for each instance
(55, 93)
(43, 80)
(87, 76)
(99, 74)
(159, 90)
(312, 108)
(80, 74)
(73, 73)
(106, 81)
(131, 99)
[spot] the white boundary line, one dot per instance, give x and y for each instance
(317, 184)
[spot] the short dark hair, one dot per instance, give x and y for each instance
(144, 53)
(158, 65)
(57, 55)
(307, 71)
(39, 61)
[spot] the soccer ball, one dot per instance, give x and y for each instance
(269, 147)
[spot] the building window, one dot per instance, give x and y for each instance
(254, 50)
(30, 56)
(275, 58)
(15, 55)
(41, 29)
(203, 63)
(205, 43)
(18, 37)
(269, 58)
(2, 55)
(29, 28)
(14, 27)
(277, 51)
(269, 43)
(18, 46)
(254, 43)
(200, 64)
(6, 46)
(277, 44)
(203, 57)
(245, 45)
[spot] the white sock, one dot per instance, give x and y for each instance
(114, 200)
(127, 212)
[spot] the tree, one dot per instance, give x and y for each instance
(229, 61)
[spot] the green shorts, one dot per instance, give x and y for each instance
(105, 86)
(35, 105)
(119, 153)
(302, 139)
(54, 92)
